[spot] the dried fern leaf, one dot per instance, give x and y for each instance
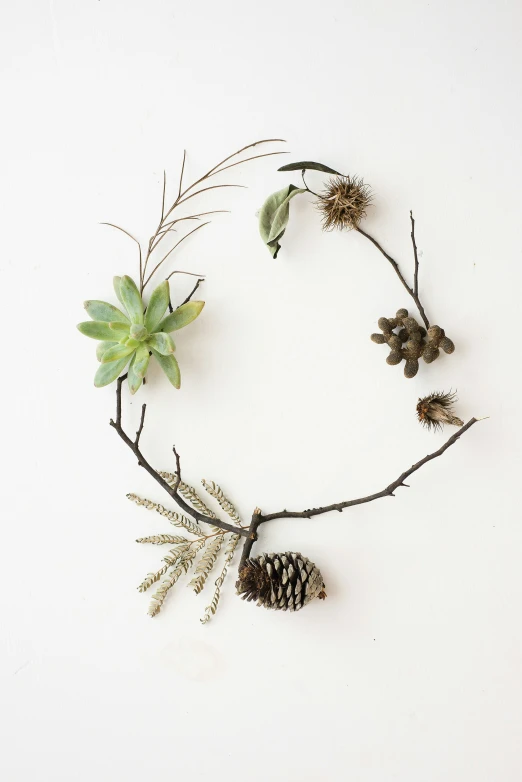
(189, 493)
(217, 492)
(211, 609)
(178, 519)
(160, 540)
(206, 563)
(151, 578)
(182, 566)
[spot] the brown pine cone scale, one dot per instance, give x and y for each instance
(283, 582)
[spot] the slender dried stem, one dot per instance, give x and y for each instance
(413, 292)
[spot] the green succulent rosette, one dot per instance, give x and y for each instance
(132, 335)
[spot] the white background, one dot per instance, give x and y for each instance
(410, 670)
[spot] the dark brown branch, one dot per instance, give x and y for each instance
(178, 468)
(172, 492)
(416, 273)
(140, 428)
(192, 292)
(257, 519)
(398, 272)
(387, 492)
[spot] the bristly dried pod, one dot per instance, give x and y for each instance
(284, 582)
(344, 202)
(437, 409)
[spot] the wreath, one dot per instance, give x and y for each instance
(141, 329)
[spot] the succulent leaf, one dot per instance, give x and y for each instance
(141, 360)
(101, 310)
(96, 329)
(134, 380)
(117, 352)
(170, 366)
(131, 299)
(107, 373)
(101, 347)
(138, 332)
(181, 316)
(159, 301)
(116, 282)
(161, 343)
(119, 331)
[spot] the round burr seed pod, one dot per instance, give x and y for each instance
(284, 582)
(394, 358)
(378, 339)
(430, 353)
(447, 345)
(411, 368)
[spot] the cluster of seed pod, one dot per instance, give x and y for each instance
(411, 341)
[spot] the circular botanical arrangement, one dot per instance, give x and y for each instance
(139, 329)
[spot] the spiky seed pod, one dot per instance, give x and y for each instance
(411, 367)
(394, 342)
(393, 358)
(437, 409)
(344, 202)
(430, 353)
(403, 335)
(281, 581)
(378, 339)
(384, 325)
(435, 335)
(401, 314)
(447, 345)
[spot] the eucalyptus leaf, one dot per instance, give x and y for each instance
(101, 347)
(182, 316)
(117, 352)
(170, 366)
(159, 301)
(97, 330)
(134, 380)
(273, 217)
(131, 299)
(141, 361)
(107, 373)
(308, 165)
(101, 310)
(161, 343)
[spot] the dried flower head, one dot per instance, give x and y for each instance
(344, 203)
(437, 409)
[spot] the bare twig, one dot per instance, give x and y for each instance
(192, 292)
(197, 228)
(412, 292)
(416, 273)
(112, 225)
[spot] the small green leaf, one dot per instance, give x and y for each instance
(161, 343)
(116, 282)
(101, 347)
(131, 299)
(182, 316)
(108, 372)
(171, 368)
(117, 352)
(308, 165)
(273, 217)
(159, 301)
(131, 343)
(97, 330)
(119, 331)
(134, 380)
(138, 332)
(141, 361)
(100, 310)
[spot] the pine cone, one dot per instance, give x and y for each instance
(281, 581)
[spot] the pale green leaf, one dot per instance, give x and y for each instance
(116, 282)
(159, 301)
(134, 380)
(97, 330)
(141, 360)
(101, 347)
(131, 299)
(162, 343)
(101, 310)
(273, 217)
(138, 332)
(116, 352)
(170, 366)
(182, 316)
(108, 372)
(119, 331)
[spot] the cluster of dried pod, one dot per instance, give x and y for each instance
(411, 341)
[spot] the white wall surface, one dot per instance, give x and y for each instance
(411, 669)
